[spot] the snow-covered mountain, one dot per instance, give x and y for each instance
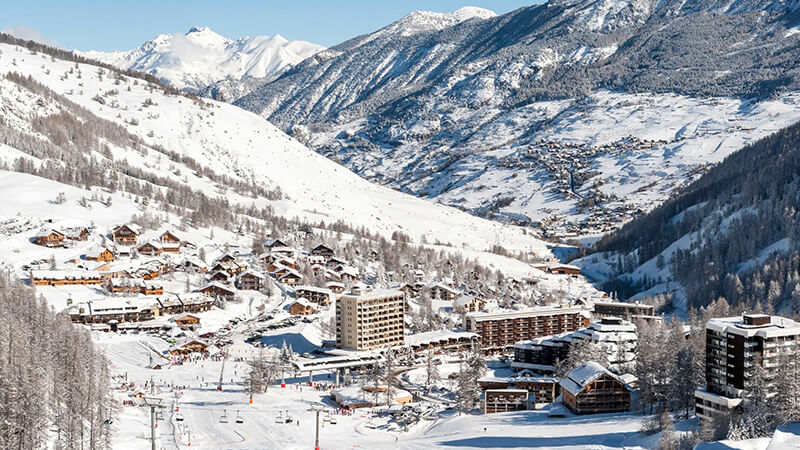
(175, 145)
(574, 114)
(202, 57)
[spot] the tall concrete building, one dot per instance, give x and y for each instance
(367, 319)
(733, 346)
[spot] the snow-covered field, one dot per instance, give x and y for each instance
(202, 406)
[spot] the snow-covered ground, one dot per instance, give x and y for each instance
(242, 145)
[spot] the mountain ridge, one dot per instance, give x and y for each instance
(456, 114)
(201, 57)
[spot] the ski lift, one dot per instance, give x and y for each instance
(239, 418)
(179, 417)
(224, 417)
(279, 419)
(332, 421)
(159, 415)
(289, 419)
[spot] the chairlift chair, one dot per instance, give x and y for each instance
(239, 418)
(224, 417)
(279, 419)
(179, 417)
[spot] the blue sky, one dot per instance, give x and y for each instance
(122, 25)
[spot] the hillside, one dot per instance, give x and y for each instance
(200, 58)
(573, 115)
(733, 233)
(183, 147)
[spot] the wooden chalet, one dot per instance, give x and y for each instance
(229, 264)
(564, 269)
(188, 346)
(302, 307)
(333, 262)
(291, 277)
(126, 234)
(216, 290)
(470, 303)
(168, 237)
(220, 276)
(320, 296)
(151, 248)
(411, 290)
(592, 389)
(250, 280)
(105, 255)
(322, 250)
(347, 273)
(187, 322)
(272, 243)
(504, 400)
(335, 287)
(190, 264)
(544, 389)
(77, 233)
(49, 238)
(440, 291)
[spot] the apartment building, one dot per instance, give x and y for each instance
(500, 330)
(624, 310)
(616, 336)
(370, 319)
(733, 347)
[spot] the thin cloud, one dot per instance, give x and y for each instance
(24, 32)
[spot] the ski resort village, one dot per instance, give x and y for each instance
(571, 225)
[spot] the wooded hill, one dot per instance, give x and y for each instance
(732, 233)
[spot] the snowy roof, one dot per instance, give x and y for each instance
(518, 378)
(321, 247)
(354, 395)
(581, 376)
(291, 273)
(366, 293)
(347, 270)
(253, 273)
(436, 284)
(430, 337)
(777, 326)
(272, 242)
(533, 311)
(64, 274)
(172, 233)
(562, 266)
(218, 286)
(47, 232)
(464, 299)
(304, 303)
(131, 226)
(154, 244)
(312, 289)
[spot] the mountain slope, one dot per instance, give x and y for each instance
(202, 57)
(530, 116)
(733, 233)
(172, 143)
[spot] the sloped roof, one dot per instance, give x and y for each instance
(580, 377)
